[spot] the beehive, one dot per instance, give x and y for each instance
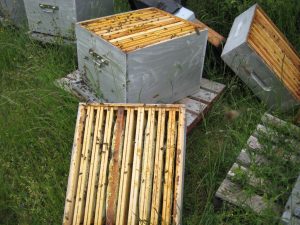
(147, 56)
(49, 19)
(14, 11)
(262, 56)
(127, 165)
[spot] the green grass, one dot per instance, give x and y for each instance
(37, 124)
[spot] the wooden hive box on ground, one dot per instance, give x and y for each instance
(264, 59)
(127, 165)
(147, 56)
(14, 11)
(49, 19)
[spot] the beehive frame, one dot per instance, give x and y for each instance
(270, 44)
(127, 165)
(130, 31)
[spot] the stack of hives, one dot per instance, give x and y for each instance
(147, 56)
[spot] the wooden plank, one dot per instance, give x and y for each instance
(195, 111)
(190, 118)
(147, 168)
(214, 38)
(119, 18)
(291, 213)
(273, 121)
(123, 28)
(233, 194)
(131, 27)
(114, 175)
(158, 168)
(204, 96)
(102, 183)
(276, 136)
(133, 215)
(82, 179)
(89, 24)
(245, 158)
(212, 86)
(74, 166)
(94, 168)
(150, 168)
(193, 106)
(167, 162)
(251, 178)
(253, 143)
(74, 84)
(179, 169)
(141, 37)
(180, 32)
(126, 169)
(141, 199)
(147, 28)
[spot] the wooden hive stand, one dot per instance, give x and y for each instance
(291, 214)
(255, 155)
(127, 165)
(197, 105)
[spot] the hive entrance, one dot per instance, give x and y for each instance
(139, 29)
(127, 165)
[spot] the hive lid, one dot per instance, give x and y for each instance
(141, 28)
(274, 48)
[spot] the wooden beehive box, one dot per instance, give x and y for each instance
(49, 19)
(127, 165)
(264, 59)
(14, 11)
(147, 56)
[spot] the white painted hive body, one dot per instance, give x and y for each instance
(51, 18)
(14, 11)
(264, 59)
(147, 56)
